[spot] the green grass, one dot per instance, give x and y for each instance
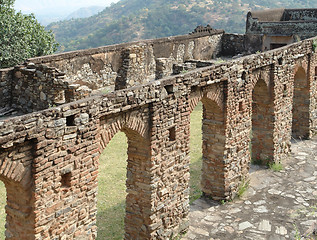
(195, 153)
(112, 189)
(276, 167)
(112, 177)
(242, 188)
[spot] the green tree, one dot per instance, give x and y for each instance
(21, 36)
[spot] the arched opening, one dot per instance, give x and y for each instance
(3, 199)
(262, 149)
(124, 199)
(112, 188)
(213, 166)
(195, 152)
(300, 123)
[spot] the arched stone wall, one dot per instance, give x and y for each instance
(213, 174)
(135, 121)
(301, 103)
(213, 92)
(138, 199)
(213, 130)
(155, 117)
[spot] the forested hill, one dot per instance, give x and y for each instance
(130, 20)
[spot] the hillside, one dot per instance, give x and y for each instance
(85, 12)
(130, 20)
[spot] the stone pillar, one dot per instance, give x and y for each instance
(262, 150)
(213, 169)
(313, 95)
(170, 167)
(301, 102)
(139, 189)
(132, 71)
(164, 67)
(20, 218)
(65, 172)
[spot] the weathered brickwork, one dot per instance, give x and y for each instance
(279, 27)
(5, 87)
(49, 159)
(126, 65)
(312, 95)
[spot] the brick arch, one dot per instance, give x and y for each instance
(300, 66)
(128, 123)
(300, 120)
(301, 74)
(213, 127)
(138, 199)
(213, 93)
(16, 162)
(264, 75)
(16, 174)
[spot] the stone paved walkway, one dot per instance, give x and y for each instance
(276, 206)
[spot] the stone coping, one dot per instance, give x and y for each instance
(116, 47)
(206, 76)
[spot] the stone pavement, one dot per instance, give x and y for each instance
(277, 205)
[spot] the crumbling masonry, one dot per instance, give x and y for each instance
(49, 155)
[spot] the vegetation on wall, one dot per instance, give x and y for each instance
(131, 20)
(21, 36)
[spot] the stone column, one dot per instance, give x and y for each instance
(262, 150)
(139, 188)
(170, 167)
(301, 102)
(213, 173)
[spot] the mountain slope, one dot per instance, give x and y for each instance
(85, 12)
(130, 20)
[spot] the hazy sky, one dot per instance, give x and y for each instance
(47, 6)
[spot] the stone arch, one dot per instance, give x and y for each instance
(213, 168)
(213, 93)
(264, 75)
(262, 122)
(195, 98)
(213, 132)
(16, 174)
(138, 199)
(300, 122)
(125, 122)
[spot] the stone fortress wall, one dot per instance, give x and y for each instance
(280, 27)
(49, 156)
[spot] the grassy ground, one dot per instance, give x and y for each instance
(195, 153)
(111, 193)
